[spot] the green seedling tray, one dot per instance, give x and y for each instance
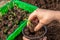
(25, 6)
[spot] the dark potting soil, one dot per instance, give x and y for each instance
(45, 4)
(34, 34)
(10, 21)
(30, 31)
(53, 31)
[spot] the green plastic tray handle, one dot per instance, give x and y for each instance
(17, 31)
(28, 7)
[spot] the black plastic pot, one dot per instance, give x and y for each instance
(37, 37)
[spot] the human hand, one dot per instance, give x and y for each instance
(44, 17)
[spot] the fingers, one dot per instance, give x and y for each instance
(38, 26)
(32, 16)
(41, 23)
(25, 38)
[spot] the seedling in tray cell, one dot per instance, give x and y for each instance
(10, 21)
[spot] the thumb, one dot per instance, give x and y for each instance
(38, 26)
(25, 38)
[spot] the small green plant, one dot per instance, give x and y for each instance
(30, 26)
